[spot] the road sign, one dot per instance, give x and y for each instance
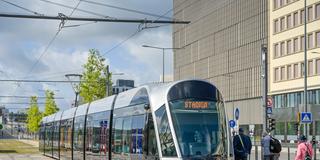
(269, 110)
(232, 123)
(237, 113)
(269, 102)
(306, 117)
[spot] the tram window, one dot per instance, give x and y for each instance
(137, 134)
(152, 142)
(166, 140)
(56, 139)
(118, 135)
(195, 139)
(97, 135)
(126, 135)
(78, 134)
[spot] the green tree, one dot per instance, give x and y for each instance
(50, 104)
(34, 116)
(95, 77)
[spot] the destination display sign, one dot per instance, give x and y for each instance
(196, 105)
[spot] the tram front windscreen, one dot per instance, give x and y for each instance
(198, 127)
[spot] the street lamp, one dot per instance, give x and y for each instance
(75, 80)
(147, 46)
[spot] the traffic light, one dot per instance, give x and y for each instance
(271, 124)
(296, 127)
(313, 141)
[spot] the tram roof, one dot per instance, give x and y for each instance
(58, 116)
(81, 110)
(100, 105)
(156, 92)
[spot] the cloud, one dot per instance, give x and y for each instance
(23, 41)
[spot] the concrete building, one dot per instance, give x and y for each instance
(222, 44)
(122, 85)
(286, 63)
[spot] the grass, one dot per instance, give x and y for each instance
(15, 146)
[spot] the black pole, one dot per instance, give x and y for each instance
(90, 19)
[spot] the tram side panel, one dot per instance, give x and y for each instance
(97, 136)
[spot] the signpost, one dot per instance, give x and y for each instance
(237, 113)
(232, 123)
(306, 117)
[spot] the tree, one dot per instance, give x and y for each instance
(34, 116)
(50, 104)
(95, 77)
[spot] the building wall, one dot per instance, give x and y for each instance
(286, 60)
(222, 44)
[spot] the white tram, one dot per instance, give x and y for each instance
(184, 120)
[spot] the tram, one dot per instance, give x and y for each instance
(183, 120)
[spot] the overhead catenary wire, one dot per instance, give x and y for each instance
(19, 6)
(80, 10)
(49, 44)
(140, 29)
(22, 97)
(124, 9)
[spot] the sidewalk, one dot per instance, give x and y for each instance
(33, 143)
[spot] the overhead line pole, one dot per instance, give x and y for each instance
(7, 15)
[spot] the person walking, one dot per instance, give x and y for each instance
(242, 146)
(304, 150)
(265, 143)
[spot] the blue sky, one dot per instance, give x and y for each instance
(22, 41)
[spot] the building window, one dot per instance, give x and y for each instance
(318, 11)
(295, 45)
(282, 24)
(295, 19)
(302, 69)
(289, 21)
(295, 71)
(310, 41)
(283, 73)
(282, 48)
(276, 24)
(302, 43)
(276, 74)
(289, 70)
(318, 66)
(301, 16)
(289, 46)
(310, 14)
(275, 4)
(276, 50)
(310, 68)
(318, 39)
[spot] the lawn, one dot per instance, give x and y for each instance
(15, 146)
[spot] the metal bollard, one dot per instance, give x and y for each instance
(256, 152)
(288, 153)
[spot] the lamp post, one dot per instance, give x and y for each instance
(305, 67)
(147, 46)
(75, 85)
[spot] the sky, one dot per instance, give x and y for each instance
(23, 42)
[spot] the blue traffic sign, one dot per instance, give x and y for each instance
(237, 113)
(306, 117)
(232, 123)
(269, 110)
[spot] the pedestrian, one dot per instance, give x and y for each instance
(242, 146)
(265, 143)
(304, 150)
